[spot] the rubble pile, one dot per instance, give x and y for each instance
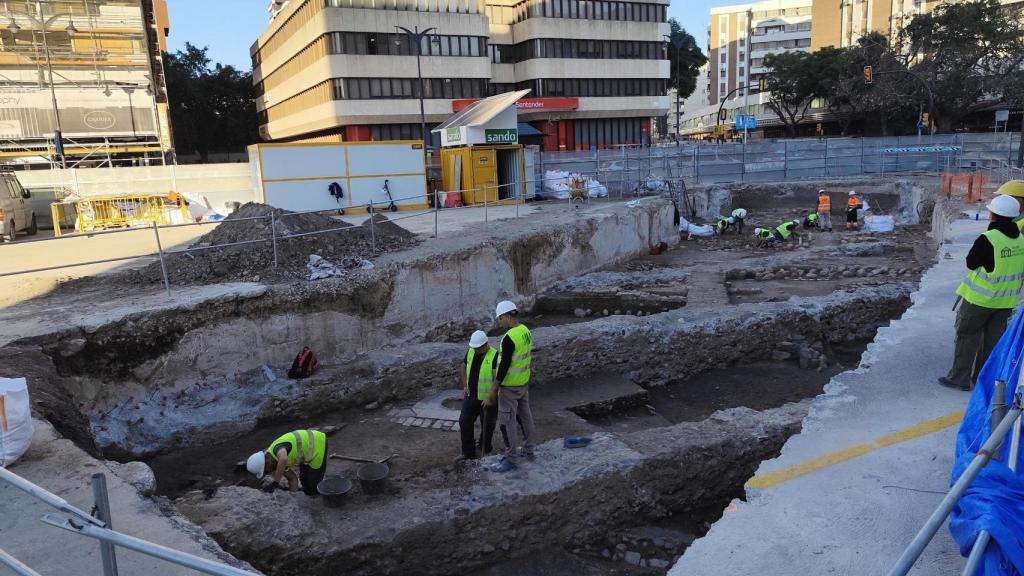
(251, 258)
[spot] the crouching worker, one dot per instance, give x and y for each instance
(811, 220)
(738, 216)
(724, 224)
(477, 376)
(302, 449)
(765, 237)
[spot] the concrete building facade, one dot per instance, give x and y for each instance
(739, 38)
(92, 69)
(340, 70)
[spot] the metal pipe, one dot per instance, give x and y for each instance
(16, 565)
(163, 265)
(935, 521)
(143, 547)
(46, 497)
(99, 493)
(49, 68)
(273, 236)
(373, 235)
(977, 553)
(996, 413)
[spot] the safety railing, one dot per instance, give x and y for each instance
(100, 527)
(1003, 421)
(519, 193)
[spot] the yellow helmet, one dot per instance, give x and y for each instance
(1013, 188)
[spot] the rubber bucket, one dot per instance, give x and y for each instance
(334, 489)
(373, 478)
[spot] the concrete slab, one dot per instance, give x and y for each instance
(62, 468)
(872, 462)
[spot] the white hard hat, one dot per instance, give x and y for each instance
(822, 191)
(730, 220)
(1003, 205)
(757, 231)
(504, 307)
(796, 222)
(852, 193)
(478, 339)
(256, 464)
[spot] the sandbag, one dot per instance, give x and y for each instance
(15, 420)
(879, 223)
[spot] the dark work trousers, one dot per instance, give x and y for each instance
(978, 329)
(310, 478)
(471, 410)
(739, 225)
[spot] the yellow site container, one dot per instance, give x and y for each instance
(483, 173)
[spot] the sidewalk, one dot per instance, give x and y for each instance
(873, 461)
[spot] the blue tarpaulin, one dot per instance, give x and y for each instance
(995, 500)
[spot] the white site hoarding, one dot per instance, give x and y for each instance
(299, 176)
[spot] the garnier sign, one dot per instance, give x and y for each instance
(501, 136)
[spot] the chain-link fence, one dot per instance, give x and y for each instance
(627, 169)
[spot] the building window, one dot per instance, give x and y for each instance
(721, 90)
(405, 88)
(592, 10)
(741, 71)
(722, 57)
(721, 73)
(594, 87)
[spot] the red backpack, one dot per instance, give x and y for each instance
(304, 364)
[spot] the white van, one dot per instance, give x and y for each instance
(16, 213)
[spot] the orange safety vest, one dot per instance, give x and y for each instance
(824, 203)
(853, 202)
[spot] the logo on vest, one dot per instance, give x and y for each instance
(1008, 252)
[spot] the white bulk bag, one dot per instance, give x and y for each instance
(15, 420)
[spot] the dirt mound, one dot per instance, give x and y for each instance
(345, 245)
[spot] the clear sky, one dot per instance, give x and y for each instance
(229, 27)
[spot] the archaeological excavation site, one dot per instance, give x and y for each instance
(685, 366)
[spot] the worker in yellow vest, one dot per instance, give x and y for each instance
(989, 293)
(305, 450)
(477, 377)
(511, 391)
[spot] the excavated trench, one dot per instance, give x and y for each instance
(684, 374)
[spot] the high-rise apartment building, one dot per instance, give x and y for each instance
(341, 69)
(92, 69)
(841, 23)
(740, 36)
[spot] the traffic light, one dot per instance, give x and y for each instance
(722, 115)
(868, 75)
(762, 85)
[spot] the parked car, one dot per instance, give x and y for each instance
(16, 213)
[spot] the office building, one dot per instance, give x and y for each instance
(92, 69)
(342, 70)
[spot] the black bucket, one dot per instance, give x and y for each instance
(373, 477)
(334, 489)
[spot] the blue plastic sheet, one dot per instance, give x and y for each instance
(995, 500)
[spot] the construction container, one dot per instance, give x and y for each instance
(487, 173)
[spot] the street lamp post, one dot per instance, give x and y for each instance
(129, 90)
(416, 37)
(676, 43)
(43, 26)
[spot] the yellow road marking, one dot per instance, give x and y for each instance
(855, 451)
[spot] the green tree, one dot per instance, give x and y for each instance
(892, 95)
(212, 109)
(685, 58)
(969, 53)
(794, 81)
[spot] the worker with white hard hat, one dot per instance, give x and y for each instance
(305, 450)
(477, 378)
(765, 237)
(511, 391)
(724, 224)
(852, 206)
(989, 293)
(1015, 189)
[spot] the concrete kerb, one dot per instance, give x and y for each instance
(823, 521)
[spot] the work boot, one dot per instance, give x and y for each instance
(943, 381)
